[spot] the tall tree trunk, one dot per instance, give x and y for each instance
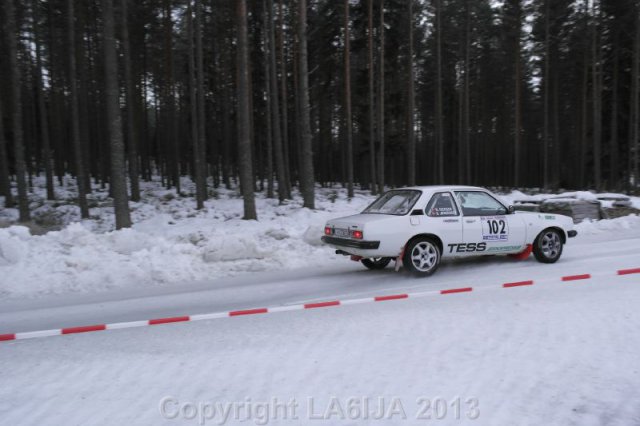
(118, 180)
(42, 110)
(284, 102)
(347, 99)
(201, 146)
(306, 151)
(269, 119)
(169, 137)
(466, 122)
(557, 141)
(411, 137)
(634, 131)
(545, 112)
(193, 105)
(75, 114)
(16, 109)
(584, 118)
(132, 123)
(372, 147)
(5, 183)
(613, 145)
(439, 100)
(517, 97)
(597, 111)
(381, 103)
(227, 135)
(297, 133)
(245, 161)
(283, 184)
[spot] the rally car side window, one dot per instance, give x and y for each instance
(441, 205)
(477, 203)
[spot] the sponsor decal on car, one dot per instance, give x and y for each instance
(467, 247)
(503, 249)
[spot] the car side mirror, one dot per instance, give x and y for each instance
(417, 212)
(512, 209)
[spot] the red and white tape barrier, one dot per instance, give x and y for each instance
(314, 305)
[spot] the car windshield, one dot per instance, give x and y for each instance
(397, 202)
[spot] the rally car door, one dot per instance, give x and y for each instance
(487, 225)
(444, 220)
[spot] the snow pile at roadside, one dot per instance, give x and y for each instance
(170, 242)
(606, 199)
(596, 227)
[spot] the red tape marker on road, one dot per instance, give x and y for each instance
(248, 312)
(629, 271)
(456, 290)
(84, 329)
(576, 277)
(321, 304)
(167, 320)
(4, 337)
(517, 284)
(390, 297)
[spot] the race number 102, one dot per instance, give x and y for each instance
(440, 408)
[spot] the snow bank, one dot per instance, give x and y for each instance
(170, 242)
(520, 196)
(596, 227)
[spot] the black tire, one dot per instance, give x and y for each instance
(547, 248)
(422, 256)
(376, 263)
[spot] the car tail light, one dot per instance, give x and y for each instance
(356, 234)
(327, 230)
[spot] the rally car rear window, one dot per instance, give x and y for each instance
(397, 202)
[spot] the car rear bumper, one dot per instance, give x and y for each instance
(572, 233)
(346, 242)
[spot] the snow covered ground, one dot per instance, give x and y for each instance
(172, 243)
(553, 354)
(556, 353)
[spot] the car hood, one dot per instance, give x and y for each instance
(564, 220)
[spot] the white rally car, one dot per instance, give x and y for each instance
(419, 226)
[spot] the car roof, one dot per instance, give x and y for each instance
(435, 188)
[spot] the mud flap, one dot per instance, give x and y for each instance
(356, 258)
(399, 260)
(523, 255)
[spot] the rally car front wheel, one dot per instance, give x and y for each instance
(547, 247)
(421, 256)
(376, 262)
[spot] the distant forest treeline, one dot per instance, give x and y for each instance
(284, 93)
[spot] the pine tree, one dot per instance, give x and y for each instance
(306, 153)
(118, 180)
(15, 83)
(75, 114)
(347, 100)
(244, 121)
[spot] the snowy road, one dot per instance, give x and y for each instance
(558, 354)
(584, 254)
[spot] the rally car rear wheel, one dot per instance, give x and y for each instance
(376, 262)
(547, 247)
(422, 256)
